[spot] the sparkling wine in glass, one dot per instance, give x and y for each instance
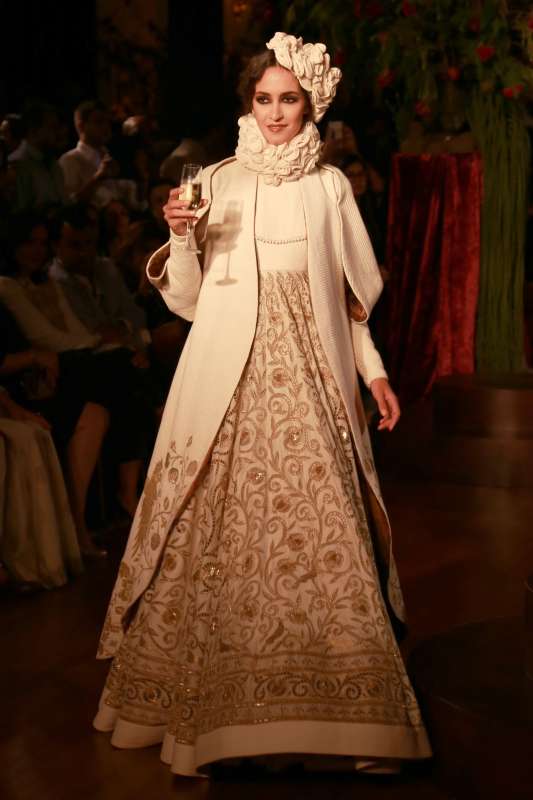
(191, 183)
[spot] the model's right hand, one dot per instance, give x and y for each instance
(176, 212)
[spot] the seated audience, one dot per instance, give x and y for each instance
(91, 175)
(116, 229)
(94, 287)
(158, 192)
(38, 542)
(7, 190)
(132, 154)
(371, 205)
(106, 376)
(168, 332)
(38, 177)
(55, 395)
(12, 131)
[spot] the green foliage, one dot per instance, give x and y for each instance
(502, 136)
(409, 51)
(413, 46)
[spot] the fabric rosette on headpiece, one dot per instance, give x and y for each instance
(310, 63)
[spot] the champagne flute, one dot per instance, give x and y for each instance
(191, 183)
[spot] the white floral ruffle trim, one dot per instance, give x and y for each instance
(282, 162)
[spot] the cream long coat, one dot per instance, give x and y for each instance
(222, 299)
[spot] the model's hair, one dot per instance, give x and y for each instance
(85, 109)
(252, 74)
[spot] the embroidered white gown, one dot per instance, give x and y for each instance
(265, 630)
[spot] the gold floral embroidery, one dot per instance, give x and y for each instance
(266, 604)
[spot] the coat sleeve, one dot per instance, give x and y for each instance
(175, 271)
(367, 358)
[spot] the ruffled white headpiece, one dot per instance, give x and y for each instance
(310, 63)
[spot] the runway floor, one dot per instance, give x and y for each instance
(463, 553)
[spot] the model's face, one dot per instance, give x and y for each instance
(279, 105)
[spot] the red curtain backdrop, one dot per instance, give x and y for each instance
(433, 250)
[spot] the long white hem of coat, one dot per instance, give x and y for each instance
(360, 740)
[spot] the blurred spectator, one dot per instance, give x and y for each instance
(38, 543)
(167, 331)
(44, 393)
(12, 131)
(104, 371)
(38, 176)
(94, 287)
(116, 230)
(132, 154)
(89, 171)
(158, 192)
(7, 190)
(339, 143)
(143, 239)
(188, 150)
(371, 205)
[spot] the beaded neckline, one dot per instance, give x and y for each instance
(263, 240)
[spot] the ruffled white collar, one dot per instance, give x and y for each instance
(282, 162)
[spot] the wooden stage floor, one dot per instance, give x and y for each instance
(463, 553)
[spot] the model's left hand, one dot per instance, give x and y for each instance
(388, 404)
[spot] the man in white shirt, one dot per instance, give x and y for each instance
(38, 180)
(89, 172)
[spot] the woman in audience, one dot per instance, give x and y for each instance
(38, 543)
(101, 375)
(39, 393)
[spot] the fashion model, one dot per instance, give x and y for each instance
(256, 603)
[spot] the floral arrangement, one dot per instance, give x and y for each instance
(415, 55)
(410, 48)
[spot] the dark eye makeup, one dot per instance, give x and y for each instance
(286, 98)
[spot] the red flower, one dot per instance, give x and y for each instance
(422, 109)
(453, 73)
(385, 78)
(485, 52)
(408, 9)
(357, 8)
(339, 58)
(512, 91)
(474, 24)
